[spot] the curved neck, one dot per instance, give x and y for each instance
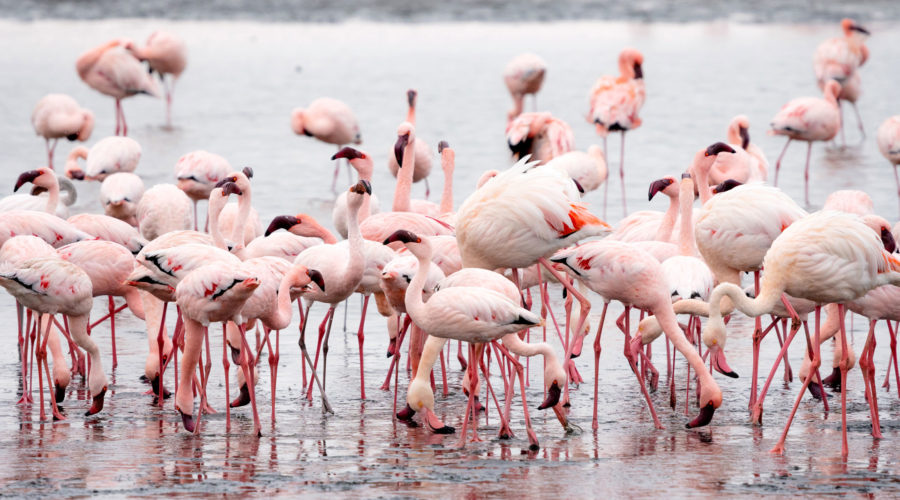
(751, 307)
(518, 104)
(281, 317)
(686, 244)
(214, 210)
(448, 160)
(664, 232)
(52, 196)
(357, 263)
(701, 171)
(411, 114)
(415, 306)
(237, 232)
(405, 177)
(364, 169)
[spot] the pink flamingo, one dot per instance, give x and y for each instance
(112, 70)
(422, 154)
(688, 276)
(56, 116)
(364, 166)
(241, 219)
(826, 257)
(110, 155)
(162, 209)
(198, 172)
(405, 153)
(42, 178)
(473, 314)
(328, 120)
(651, 225)
(838, 59)
(523, 75)
(808, 119)
(616, 102)
(120, 194)
(619, 271)
(746, 164)
(166, 54)
(52, 286)
(588, 169)
(211, 293)
(109, 229)
(889, 144)
(50, 228)
(540, 135)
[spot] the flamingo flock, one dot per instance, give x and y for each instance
(442, 275)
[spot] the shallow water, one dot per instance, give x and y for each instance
(244, 77)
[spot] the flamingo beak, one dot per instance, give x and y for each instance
(727, 185)
(316, 277)
(859, 29)
(403, 236)
(411, 97)
(27, 177)
(704, 418)
(745, 137)
(657, 186)
(187, 420)
(348, 153)
(399, 146)
(97, 404)
(553, 393)
(719, 363)
(888, 239)
(282, 222)
(406, 414)
(638, 71)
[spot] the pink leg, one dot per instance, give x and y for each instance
(361, 337)
(632, 361)
(778, 162)
(606, 182)
(226, 365)
(112, 325)
(597, 348)
(532, 437)
(622, 176)
(845, 365)
(246, 366)
(583, 301)
(305, 353)
(160, 342)
(868, 371)
(806, 173)
(445, 389)
(757, 409)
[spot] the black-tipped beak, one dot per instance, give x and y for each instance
(719, 147)
(367, 185)
(399, 146)
(362, 187)
(403, 236)
(316, 278)
(72, 137)
(745, 137)
(727, 185)
(657, 186)
(411, 97)
(704, 418)
(578, 185)
(553, 393)
(638, 72)
(231, 188)
(26, 177)
(225, 180)
(442, 145)
(888, 239)
(248, 171)
(282, 222)
(348, 153)
(860, 29)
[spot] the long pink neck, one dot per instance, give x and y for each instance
(364, 168)
(52, 196)
(405, 177)
(237, 232)
(448, 160)
(702, 164)
(411, 114)
(281, 316)
(214, 210)
(686, 245)
(664, 232)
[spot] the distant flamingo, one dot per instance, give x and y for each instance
(112, 70)
(52, 286)
(56, 116)
(616, 102)
(747, 163)
(166, 54)
(108, 156)
(808, 119)
(827, 257)
(120, 194)
(838, 59)
(523, 75)
(540, 135)
(889, 144)
(198, 172)
(328, 120)
(422, 154)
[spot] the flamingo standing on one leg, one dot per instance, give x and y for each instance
(808, 119)
(826, 257)
(616, 102)
(56, 116)
(523, 75)
(166, 54)
(422, 153)
(889, 144)
(112, 70)
(328, 120)
(839, 59)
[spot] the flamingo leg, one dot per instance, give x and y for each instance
(532, 437)
(585, 304)
(246, 366)
(160, 343)
(845, 365)
(757, 409)
(622, 176)
(778, 162)
(632, 361)
(360, 336)
(868, 371)
(606, 182)
(597, 348)
(315, 365)
(313, 374)
(273, 365)
(227, 366)
(24, 336)
(806, 173)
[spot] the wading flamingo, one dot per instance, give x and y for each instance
(108, 156)
(422, 154)
(56, 116)
(166, 54)
(523, 75)
(839, 59)
(328, 120)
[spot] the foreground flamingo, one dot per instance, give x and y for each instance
(56, 116)
(826, 257)
(112, 70)
(51, 286)
(808, 119)
(166, 54)
(328, 120)
(839, 59)
(523, 75)
(889, 144)
(616, 102)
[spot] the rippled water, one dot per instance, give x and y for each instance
(242, 80)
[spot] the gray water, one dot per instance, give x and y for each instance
(243, 79)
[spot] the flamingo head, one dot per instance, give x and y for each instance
(719, 147)
(39, 177)
(297, 119)
(726, 185)
(662, 185)
(832, 89)
(710, 399)
(883, 228)
(358, 160)
(406, 134)
(411, 97)
(851, 28)
(630, 61)
(488, 175)
(301, 225)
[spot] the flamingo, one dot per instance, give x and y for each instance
(50, 228)
(53, 286)
(473, 314)
(162, 209)
(889, 144)
(587, 168)
(166, 54)
(616, 102)
(208, 294)
(422, 155)
(241, 219)
(523, 75)
(110, 229)
(108, 156)
(198, 172)
(328, 120)
(364, 166)
(405, 153)
(112, 70)
(838, 59)
(42, 178)
(688, 276)
(651, 225)
(120, 194)
(56, 116)
(826, 257)
(540, 135)
(746, 163)
(808, 119)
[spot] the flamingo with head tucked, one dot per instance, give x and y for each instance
(56, 116)
(523, 75)
(839, 59)
(166, 54)
(328, 120)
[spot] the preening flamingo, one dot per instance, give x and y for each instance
(523, 75)
(328, 120)
(540, 135)
(120, 194)
(56, 116)
(746, 163)
(198, 172)
(108, 156)
(166, 54)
